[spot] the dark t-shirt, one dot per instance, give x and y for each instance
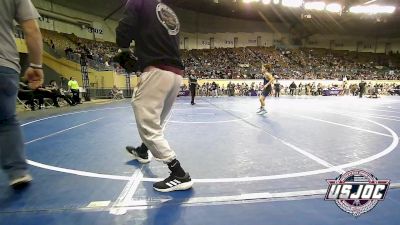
(362, 85)
(155, 29)
(192, 81)
(265, 81)
(213, 86)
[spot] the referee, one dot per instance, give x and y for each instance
(277, 87)
(155, 29)
(362, 85)
(192, 86)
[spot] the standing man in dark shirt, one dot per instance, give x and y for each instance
(362, 86)
(155, 28)
(277, 87)
(214, 89)
(192, 86)
(292, 88)
(231, 89)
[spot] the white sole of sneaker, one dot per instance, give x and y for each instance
(141, 160)
(136, 157)
(179, 187)
(22, 180)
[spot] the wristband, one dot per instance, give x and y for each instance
(36, 66)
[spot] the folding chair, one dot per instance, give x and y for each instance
(23, 104)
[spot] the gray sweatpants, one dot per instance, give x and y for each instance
(156, 93)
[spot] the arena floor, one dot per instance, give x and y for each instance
(247, 168)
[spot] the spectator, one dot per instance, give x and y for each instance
(117, 93)
(74, 88)
(59, 93)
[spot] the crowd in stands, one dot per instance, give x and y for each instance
(245, 63)
(97, 54)
(100, 52)
(232, 63)
(293, 89)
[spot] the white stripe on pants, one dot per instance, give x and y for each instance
(156, 93)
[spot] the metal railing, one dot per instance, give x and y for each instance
(107, 93)
(99, 66)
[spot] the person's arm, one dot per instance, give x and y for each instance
(33, 38)
(43, 89)
(125, 32)
(26, 16)
(69, 85)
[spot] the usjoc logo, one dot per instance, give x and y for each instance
(357, 191)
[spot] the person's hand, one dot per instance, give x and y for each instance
(127, 60)
(35, 78)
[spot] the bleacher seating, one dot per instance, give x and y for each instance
(245, 63)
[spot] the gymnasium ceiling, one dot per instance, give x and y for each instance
(272, 13)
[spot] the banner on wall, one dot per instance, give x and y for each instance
(46, 23)
(229, 43)
(97, 30)
(205, 43)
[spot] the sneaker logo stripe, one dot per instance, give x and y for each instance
(169, 185)
(177, 181)
(173, 183)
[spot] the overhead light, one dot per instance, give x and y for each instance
(314, 5)
(369, 2)
(357, 9)
(266, 2)
(334, 7)
(276, 2)
(292, 3)
(372, 9)
(250, 1)
(388, 9)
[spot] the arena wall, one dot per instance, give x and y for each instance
(395, 45)
(98, 80)
(227, 40)
(199, 28)
(21, 45)
(107, 27)
(353, 43)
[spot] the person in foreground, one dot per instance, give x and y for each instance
(155, 28)
(12, 153)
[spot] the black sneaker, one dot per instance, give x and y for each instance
(174, 183)
(142, 157)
